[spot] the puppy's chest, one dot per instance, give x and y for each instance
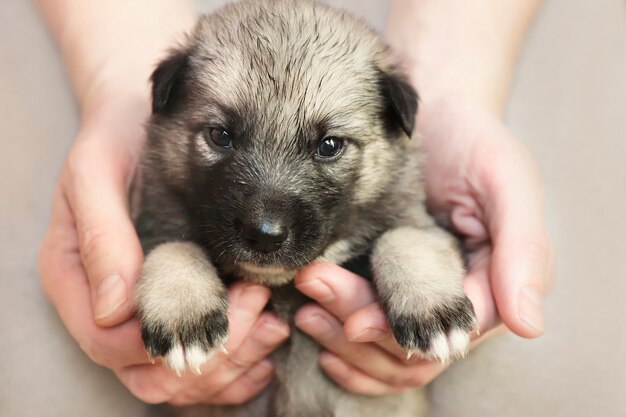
(300, 388)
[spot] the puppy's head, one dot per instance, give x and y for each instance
(275, 124)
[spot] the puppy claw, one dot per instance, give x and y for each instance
(150, 357)
(196, 357)
(175, 359)
(440, 334)
(187, 344)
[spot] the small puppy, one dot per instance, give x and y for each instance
(280, 137)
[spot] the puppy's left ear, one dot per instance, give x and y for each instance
(400, 101)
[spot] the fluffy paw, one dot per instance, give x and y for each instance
(441, 332)
(182, 306)
(187, 342)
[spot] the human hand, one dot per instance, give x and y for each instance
(483, 184)
(231, 377)
(90, 259)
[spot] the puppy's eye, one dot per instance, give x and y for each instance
(330, 147)
(219, 137)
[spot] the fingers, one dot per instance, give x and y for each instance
(336, 289)
(248, 386)
(521, 261)
(477, 287)
(245, 369)
(352, 299)
(65, 283)
(267, 334)
(352, 379)
(366, 357)
(95, 185)
(245, 303)
(254, 335)
(369, 324)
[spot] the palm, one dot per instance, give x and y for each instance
(483, 184)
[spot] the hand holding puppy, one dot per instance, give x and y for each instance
(484, 184)
(83, 219)
(90, 257)
(89, 262)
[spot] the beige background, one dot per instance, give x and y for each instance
(568, 104)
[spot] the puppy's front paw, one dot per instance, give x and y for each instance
(182, 306)
(185, 342)
(440, 331)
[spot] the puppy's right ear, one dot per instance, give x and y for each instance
(401, 101)
(168, 81)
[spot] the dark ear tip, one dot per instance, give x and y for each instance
(402, 100)
(167, 79)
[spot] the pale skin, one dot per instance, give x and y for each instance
(481, 181)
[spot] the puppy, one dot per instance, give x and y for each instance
(279, 136)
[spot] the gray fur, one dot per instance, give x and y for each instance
(279, 76)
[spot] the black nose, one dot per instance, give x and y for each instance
(265, 235)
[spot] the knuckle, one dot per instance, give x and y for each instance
(99, 351)
(400, 379)
(148, 390)
(416, 381)
(238, 361)
(540, 246)
(406, 377)
(92, 239)
(152, 395)
(269, 336)
(236, 398)
(78, 160)
(179, 402)
(95, 352)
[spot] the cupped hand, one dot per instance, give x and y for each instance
(484, 185)
(90, 259)
(231, 377)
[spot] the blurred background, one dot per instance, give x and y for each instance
(568, 104)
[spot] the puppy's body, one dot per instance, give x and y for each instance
(279, 137)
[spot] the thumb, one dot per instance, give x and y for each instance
(109, 247)
(521, 262)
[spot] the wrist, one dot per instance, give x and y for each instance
(454, 48)
(105, 101)
(113, 129)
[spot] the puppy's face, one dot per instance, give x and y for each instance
(275, 124)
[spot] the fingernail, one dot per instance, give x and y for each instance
(317, 289)
(369, 335)
(316, 326)
(110, 295)
(531, 308)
